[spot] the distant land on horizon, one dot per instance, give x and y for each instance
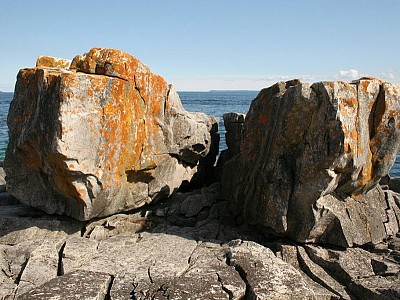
(219, 91)
(187, 91)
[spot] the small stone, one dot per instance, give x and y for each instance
(160, 212)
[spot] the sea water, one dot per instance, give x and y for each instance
(214, 103)
(5, 100)
(217, 103)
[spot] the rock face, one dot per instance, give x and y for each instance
(311, 158)
(193, 250)
(234, 127)
(100, 136)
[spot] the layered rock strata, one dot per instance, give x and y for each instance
(100, 135)
(311, 158)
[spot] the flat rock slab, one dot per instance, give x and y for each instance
(19, 223)
(77, 285)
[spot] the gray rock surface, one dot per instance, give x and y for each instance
(100, 136)
(234, 123)
(311, 158)
(77, 285)
(2, 180)
(266, 276)
(19, 223)
(191, 246)
(195, 250)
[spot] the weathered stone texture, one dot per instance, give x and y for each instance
(207, 257)
(234, 123)
(52, 62)
(104, 136)
(311, 158)
(78, 285)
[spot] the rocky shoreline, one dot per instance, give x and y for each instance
(189, 246)
(110, 189)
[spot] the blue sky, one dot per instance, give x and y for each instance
(219, 44)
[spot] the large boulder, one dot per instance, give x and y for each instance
(311, 158)
(99, 136)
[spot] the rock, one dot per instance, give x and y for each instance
(41, 266)
(7, 200)
(320, 275)
(52, 62)
(207, 277)
(234, 127)
(377, 288)
(27, 264)
(130, 255)
(346, 265)
(394, 184)
(2, 180)
(21, 223)
(291, 255)
(353, 222)
(393, 214)
(77, 251)
(102, 137)
(311, 154)
(74, 285)
(193, 204)
(360, 271)
(115, 225)
(266, 276)
(385, 181)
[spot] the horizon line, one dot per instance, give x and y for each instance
(202, 91)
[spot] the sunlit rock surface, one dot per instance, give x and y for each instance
(100, 135)
(311, 158)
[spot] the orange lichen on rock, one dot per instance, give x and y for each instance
(311, 158)
(105, 119)
(52, 62)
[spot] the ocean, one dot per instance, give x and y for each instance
(217, 103)
(5, 100)
(214, 103)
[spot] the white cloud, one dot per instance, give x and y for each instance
(238, 83)
(348, 74)
(388, 75)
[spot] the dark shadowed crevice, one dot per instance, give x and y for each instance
(310, 274)
(108, 294)
(377, 111)
(132, 294)
(249, 294)
(23, 266)
(230, 294)
(60, 267)
(133, 176)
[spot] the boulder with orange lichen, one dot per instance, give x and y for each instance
(99, 136)
(311, 158)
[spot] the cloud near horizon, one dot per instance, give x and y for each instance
(232, 83)
(350, 74)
